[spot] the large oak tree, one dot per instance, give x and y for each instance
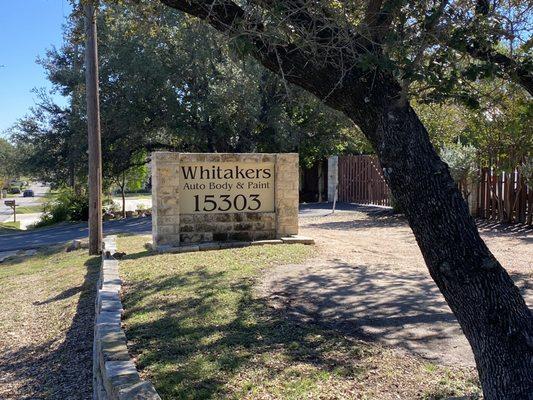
(365, 58)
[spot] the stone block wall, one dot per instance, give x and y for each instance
(196, 228)
(286, 194)
(115, 376)
(170, 227)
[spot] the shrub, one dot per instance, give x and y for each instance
(526, 168)
(462, 162)
(68, 205)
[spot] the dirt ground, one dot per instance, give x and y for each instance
(369, 280)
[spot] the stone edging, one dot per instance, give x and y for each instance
(205, 246)
(114, 374)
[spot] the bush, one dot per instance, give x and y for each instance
(462, 162)
(67, 206)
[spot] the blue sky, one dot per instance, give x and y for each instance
(27, 29)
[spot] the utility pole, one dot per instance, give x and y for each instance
(93, 125)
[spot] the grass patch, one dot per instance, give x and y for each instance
(199, 330)
(133, 195)
(9, 227)
(30, 209)
(46, 324)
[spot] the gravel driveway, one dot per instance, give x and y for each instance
(369, 279)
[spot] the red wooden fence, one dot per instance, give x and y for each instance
(504, 196)
(361, 181)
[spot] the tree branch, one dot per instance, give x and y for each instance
(519, 74)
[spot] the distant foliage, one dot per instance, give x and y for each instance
(69, 205)
(526, 168)
(462, 161)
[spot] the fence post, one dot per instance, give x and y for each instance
(333, 177)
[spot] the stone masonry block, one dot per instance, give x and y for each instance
(298, 239)
(118, 375)
(265, 157)
(189, 248)
(266, 242)
(143, 390)
(108, 317)
(110, 305)
(209, 246)
(264, 235)
(164, 157)
(113, 347)
(212, 157)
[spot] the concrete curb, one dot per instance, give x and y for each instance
(114, 374)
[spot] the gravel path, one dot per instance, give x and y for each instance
(369, 279)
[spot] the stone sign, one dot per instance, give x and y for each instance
(200, 197)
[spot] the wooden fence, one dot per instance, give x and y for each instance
(361, 181)
(504, 197)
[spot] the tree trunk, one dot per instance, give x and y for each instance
(123, 194)
(320, 168)
(492, 313)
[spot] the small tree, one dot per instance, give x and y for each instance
(461, 161)
(130, 179)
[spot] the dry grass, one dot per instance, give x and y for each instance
(46, 325)
(198, 330)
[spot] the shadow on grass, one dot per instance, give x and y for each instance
(41, 252)
(197, 344)
(194, 344)
(50, 370)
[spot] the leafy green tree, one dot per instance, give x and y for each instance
(365, 59)
(52, 144)
(169, 82)
(7, 161)
(462, 162)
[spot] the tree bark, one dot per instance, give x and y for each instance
(122, 185)
(492, 313)
(487, 304)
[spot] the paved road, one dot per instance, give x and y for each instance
(67, 232)
(38, 189)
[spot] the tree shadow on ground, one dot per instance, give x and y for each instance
(53, 370)
(195, 343)
(493, 228)
(402, 308)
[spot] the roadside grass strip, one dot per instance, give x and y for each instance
(198, 328)
(9, 227)
(30, 209)
(46, 324)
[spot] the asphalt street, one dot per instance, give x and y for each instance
(63, 233)
(6, 213)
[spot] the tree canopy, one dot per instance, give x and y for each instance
(367, 59)
(169, 82)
